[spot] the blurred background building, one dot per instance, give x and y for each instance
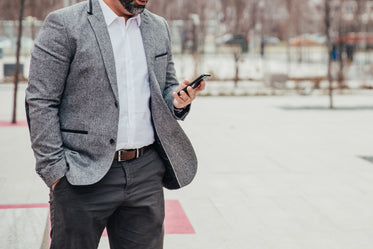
(274, 44)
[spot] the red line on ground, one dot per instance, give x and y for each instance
(17, 206)
(20, 123)
(176, 221)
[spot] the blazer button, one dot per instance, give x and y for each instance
(116, 104)
(112, 141)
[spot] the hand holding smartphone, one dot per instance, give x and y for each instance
(195, 83)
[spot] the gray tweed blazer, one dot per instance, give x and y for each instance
(72, 98)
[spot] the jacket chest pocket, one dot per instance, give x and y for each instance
(160, 68)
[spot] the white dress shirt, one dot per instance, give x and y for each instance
(135, 128)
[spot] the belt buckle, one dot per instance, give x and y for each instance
(119, 156)
(137, 153)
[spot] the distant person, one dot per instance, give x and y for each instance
(102, 111)
(262, 47)
(334, 52)
(350, 50)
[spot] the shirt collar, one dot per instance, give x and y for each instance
(110, 15)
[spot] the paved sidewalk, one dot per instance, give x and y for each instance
(274, 172)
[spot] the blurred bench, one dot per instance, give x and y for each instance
(316, 81)
(276, 80)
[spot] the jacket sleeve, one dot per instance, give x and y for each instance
(172, 82)
(50, 61)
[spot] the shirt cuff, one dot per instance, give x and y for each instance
(181, 112)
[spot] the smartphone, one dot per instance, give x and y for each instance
(195, 83)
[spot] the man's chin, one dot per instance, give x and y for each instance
(137, 10)
(134, 7)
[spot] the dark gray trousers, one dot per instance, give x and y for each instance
(128, 201)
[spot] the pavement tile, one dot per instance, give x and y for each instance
(22, 228)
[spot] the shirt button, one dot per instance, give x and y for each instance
(112, 141)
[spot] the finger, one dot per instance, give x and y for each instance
(178, 101)
(54, 184)
(191, 92)
(177, 97)
(184, 96)
(184, 84)
(201, 87)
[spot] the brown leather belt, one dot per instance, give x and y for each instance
(125, 155)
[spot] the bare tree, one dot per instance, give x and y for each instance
(37, 8)
(327, 20)
(341, 32)
(289, 8)
(239, 7)
(234, 16)
(16, 75)
(9, 10)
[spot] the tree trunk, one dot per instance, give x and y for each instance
(16, 75)
(341, 47)
(237, 57)
(328, 39)
(289, 4)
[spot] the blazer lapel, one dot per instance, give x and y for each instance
(148, 41)
(97, 21)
